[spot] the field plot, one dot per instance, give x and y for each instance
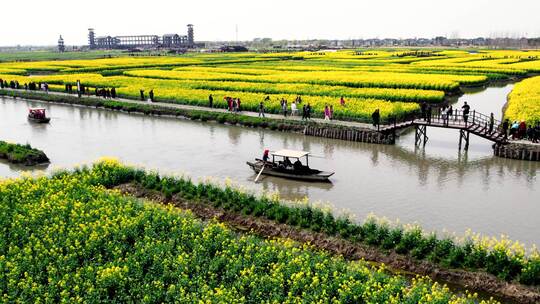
(392, 81)
(524, 102)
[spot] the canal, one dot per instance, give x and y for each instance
(436, 186)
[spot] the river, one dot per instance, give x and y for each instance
(436, 186)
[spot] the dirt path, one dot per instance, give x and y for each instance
(219, 110)
(476, 281)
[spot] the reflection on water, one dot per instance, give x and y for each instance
(436, 185)
(22, 168)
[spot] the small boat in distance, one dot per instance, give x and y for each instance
(38, 115)
(281, 166)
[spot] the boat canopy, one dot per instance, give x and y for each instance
(36, 109)
(290, 153)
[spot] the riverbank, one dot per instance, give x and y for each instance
(22, 154)
(491, 267)
(396, 263)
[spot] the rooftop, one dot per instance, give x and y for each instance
(290, 153)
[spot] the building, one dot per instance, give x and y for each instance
(61, 46)
(169, 41)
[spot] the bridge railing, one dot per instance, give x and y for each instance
(457, 118)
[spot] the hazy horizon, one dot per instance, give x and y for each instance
(40, 25)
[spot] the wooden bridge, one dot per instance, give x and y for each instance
(475, 123)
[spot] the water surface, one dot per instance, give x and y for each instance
(437, 185)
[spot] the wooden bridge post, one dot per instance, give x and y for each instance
(464, 136)
(416, 135)
(420, 134)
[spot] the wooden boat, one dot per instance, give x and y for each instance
(38, 115)
(283, 167)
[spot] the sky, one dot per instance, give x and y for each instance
(39, 22)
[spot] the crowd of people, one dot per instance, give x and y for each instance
(150, 95)
(516, 130)
(294, 108)
(32, 86)
(79, 88)
(521, 131)
(233, 104)
(105, 93)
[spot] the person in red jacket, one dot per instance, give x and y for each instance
(522, 129)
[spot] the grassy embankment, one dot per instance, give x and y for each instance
(22, 154)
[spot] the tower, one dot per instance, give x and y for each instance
(91, 38)
(190, 37)
(61, 46)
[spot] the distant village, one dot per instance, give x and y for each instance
(176, 43)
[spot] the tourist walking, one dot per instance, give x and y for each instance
(376, 117)
(79, 88)
(514, 129)
(142, 94)
(342, 101)
(238, 104)
(229, 103)
(308, 111)
(326, 113)
(443, 114)
(423, 108)
(505, 126)
(113, 93)
(428, 114)
(210, 100)
(466, 109)
(522, 129)
(261, 109)
(151, 95)
(304, 116)
(530, 133)
(536, 135)
(294, 109)
(331, 112)
(284, 107)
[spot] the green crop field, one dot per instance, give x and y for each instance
(68, 239)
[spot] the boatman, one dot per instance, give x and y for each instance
(265, 155)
